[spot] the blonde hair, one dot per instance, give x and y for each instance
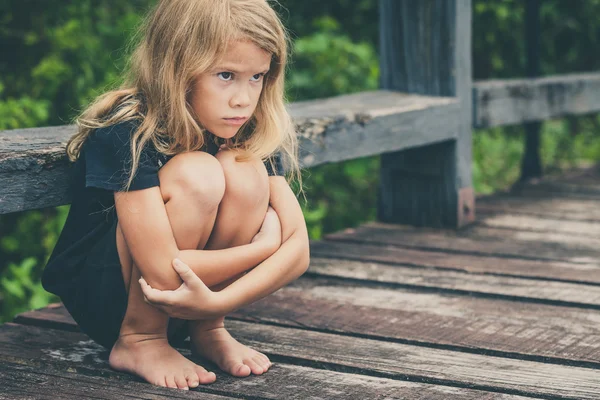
(181, 39)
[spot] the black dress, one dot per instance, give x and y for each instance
(84, 269)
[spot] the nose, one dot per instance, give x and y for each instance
(241, 97)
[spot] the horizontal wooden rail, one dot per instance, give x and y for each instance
(34, 167)
(514, 101)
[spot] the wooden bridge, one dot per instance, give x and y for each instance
(507, 307)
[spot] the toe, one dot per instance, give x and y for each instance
(269, 363)
(170, 381)
(261, 362)
(191, 378)
(204, 376)
(181, 382)
(240, 369)
(264, 360)
(254, 367)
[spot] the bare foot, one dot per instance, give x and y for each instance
(153, 359)
(216, 344)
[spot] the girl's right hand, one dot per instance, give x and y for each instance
(270, 231)
(192, 300)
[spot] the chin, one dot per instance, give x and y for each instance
(225, 135)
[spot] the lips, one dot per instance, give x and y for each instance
(236, 121)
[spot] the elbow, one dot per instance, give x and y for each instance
(304, 258)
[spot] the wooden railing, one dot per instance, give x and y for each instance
(420, 122)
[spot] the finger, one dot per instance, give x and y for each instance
(155, 296)
(185, 272)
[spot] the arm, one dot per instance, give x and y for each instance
(289, 262)
(193, 300)
(143, 219)
(231, 261)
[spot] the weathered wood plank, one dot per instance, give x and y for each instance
(426, 48)
(576, 190)
(54, 354)
(479, 240)
(587, 229)
(492, 326)
(576, 183)
(397, 361)
(531, 164)
(514, 101)
(560, 293)
(464, 263)
(37, 380)
(34, 167)
(54, 316)
(541, 205)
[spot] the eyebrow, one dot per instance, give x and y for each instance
(224, 68)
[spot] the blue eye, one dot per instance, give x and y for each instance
(258, 77)
(229, 74)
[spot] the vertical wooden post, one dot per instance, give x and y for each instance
(531, 166)
(426, 49)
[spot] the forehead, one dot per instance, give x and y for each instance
(245, 55)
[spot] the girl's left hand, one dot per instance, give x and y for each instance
(192, 300)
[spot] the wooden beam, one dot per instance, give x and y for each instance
(531, 164)
(426, 49)
(514, 101)
(34, 169)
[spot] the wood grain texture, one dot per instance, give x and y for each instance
(34, 167)
(395, 361)
(38, 380)
(470, 264)
(62, 358)
(426, 48)
(521, 222)
(514, 101)
(488, 326)
(541, 205)
(473, 324)
(473, 284)
(479, 240)
(578, 183)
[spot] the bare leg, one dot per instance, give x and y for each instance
(142, 347)
(240, 216)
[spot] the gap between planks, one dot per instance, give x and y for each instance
(528, 331)
(423, 260)
(73, 361)
(477, 241)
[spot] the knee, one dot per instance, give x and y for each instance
(196, 175)
(247, 182)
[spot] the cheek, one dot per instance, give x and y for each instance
(206, 103)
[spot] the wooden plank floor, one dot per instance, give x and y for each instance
(508, 308)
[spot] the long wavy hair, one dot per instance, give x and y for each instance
(177, 41)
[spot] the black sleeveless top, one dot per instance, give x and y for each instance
(102, 168)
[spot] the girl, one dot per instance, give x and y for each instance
(178, 165)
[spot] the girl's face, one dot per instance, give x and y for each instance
(225, 97)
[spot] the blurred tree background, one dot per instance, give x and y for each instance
(60, 54)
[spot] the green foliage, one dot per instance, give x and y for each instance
(328, 63)
(62, 55)
(26, 241)
(496, 159)
(20, 291)
(340, 195)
